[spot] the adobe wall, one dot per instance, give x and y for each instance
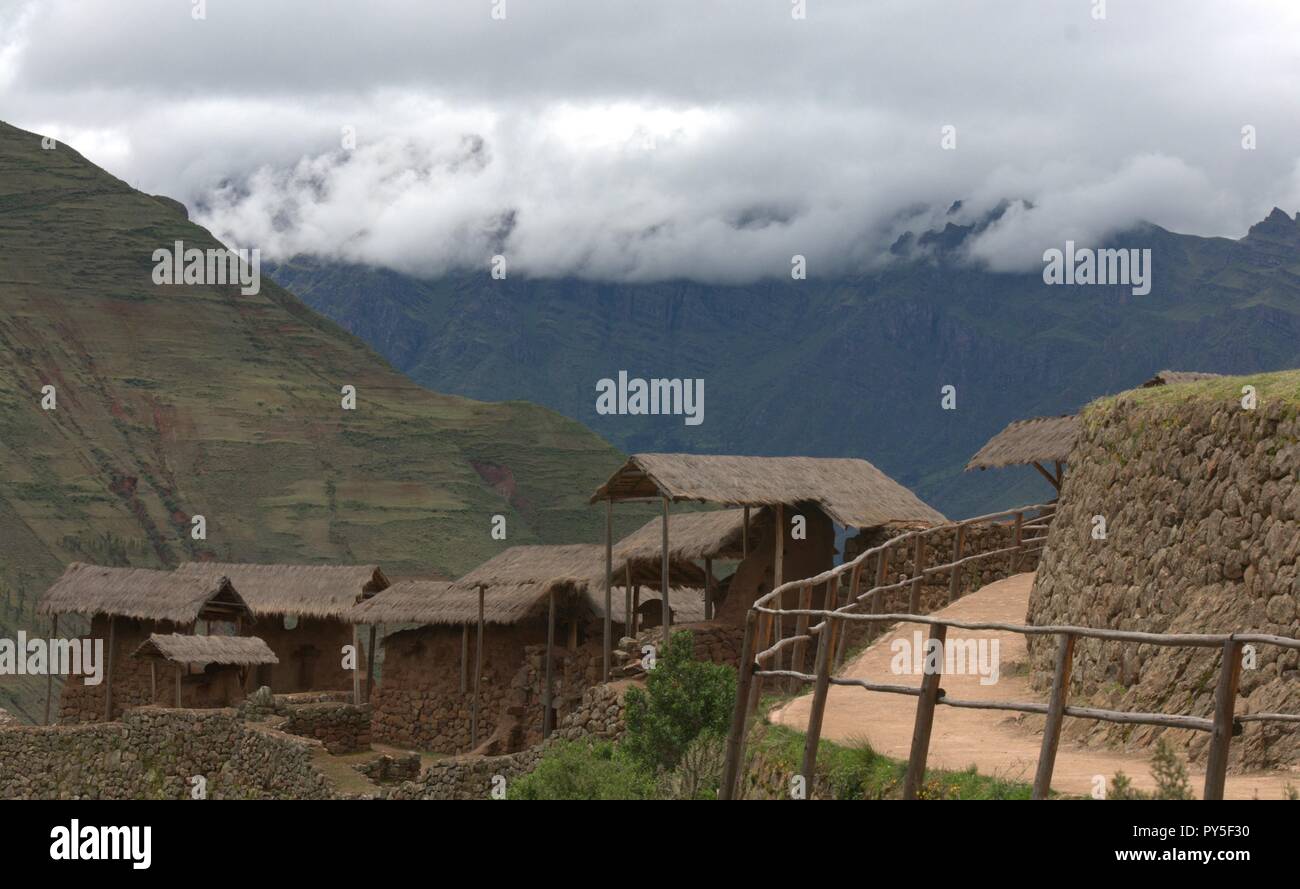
(802, 558)
(1202, 511)
(153, 753)
(311, 655)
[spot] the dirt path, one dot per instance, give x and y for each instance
(996, 743)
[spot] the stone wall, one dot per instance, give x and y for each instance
(1202, 512)
(342, 728)
(154, 753)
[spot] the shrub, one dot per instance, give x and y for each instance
(683, 698)
(579, 770)
(1170, 775)
(699, 774)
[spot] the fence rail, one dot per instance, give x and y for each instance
(763, 627)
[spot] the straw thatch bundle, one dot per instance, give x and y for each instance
(1038, 440)
(142, 593)
(200, 650)
(1174, 377)
(299, 590)
(716, 534)
(850, 491)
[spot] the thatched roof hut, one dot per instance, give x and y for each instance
(143, 594)
(850, 491)
(318, 591)
(1174, 377)
(1033, 442)
(202, 650)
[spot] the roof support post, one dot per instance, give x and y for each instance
(668, 609)
(1056, 483)
(49, 675)
(627, 599)
(370, 664)
(636, 609)
(708, 589)
(464, 658)
(744, 536)
(778, 577)
(547, 703)
(108, 685)
(478, 674)
(356, 665)
(607, 648)
(180, 669)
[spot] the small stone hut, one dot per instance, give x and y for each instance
(201, 671)
(125, 606)
(304, 613)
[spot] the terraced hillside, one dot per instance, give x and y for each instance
(177, 401)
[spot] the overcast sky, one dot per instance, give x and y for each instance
(643, 140)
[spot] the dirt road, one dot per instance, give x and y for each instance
(996, 743)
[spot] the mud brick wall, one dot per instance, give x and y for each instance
(342, 728)
(154, 753)
(1202, 511)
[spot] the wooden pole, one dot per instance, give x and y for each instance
(954, 579)
(180, 668)
(1020, 545)
(668, 609)
(739, 712)
(1055, 716)
(708, 589)
(356, 667)
(1225, 701)
(820, 692)
(153, 680)
(464, 658)
(918, 572)
(370, 663)
(925, 714)
(744, 536)
(478, 673)
(627, 599)
(108, 688)
(547, 703)
(798, 656)
(608, 647)
(841, 630)
(882, 567)
(778, 577)
(49, 675)
(636, 608)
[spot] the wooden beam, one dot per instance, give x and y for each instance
(1225, 700)
(1055, 716)
(924, 715)
(153, 680)
(636, 608)
(108, 688)
(778, 576)
(739, 712)
(370, 663)
(708, 589)
(1047, 475)
(627, 600)
(744, 536)
(464, 658)
(356, 666)
(668, 607)
(821, 689)
(607, 648)
(180, 669)
(547, 704)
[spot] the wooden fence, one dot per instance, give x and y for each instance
(765, 619)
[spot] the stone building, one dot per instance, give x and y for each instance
(125, 607)
(303, 613)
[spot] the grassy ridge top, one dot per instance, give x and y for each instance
(178, 401)
(1281, 386)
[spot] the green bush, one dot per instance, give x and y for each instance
(579, 770)
(683, 698)
(1170, 775)
(699, 774)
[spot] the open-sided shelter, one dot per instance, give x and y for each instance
(203, 671)
(125, 606)
(1034, 442)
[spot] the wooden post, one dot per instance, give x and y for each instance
(954, 580)
(708, 589)
(925, 714)
(1225, 702)
(108, 688)
(1055, 715)
(739, 712)
(668, 609)
(636, 608)
(820, 691)
(841, 629)
(464, 658)
(547, 703)
(799, 654)
(607, 649)
(627, 599)
(180, 669)
(153, 680)
(356, 667)
(1020, 546)
(478, 673)
(49, 675)
(877, 598)
(918, 569)
(370, 663)
(778, 577)
(744, 536)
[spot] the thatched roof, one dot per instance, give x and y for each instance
(423, 602)
(1038, 440)
(850, 491)
(142, 593)
(179, 649)
(1173, 377)
(299, 590)
(716, 534)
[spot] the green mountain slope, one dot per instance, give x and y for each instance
(841, 366)
(181, 401)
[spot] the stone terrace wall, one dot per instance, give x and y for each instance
(153, 753)
(1202, 511)
(342, 728)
